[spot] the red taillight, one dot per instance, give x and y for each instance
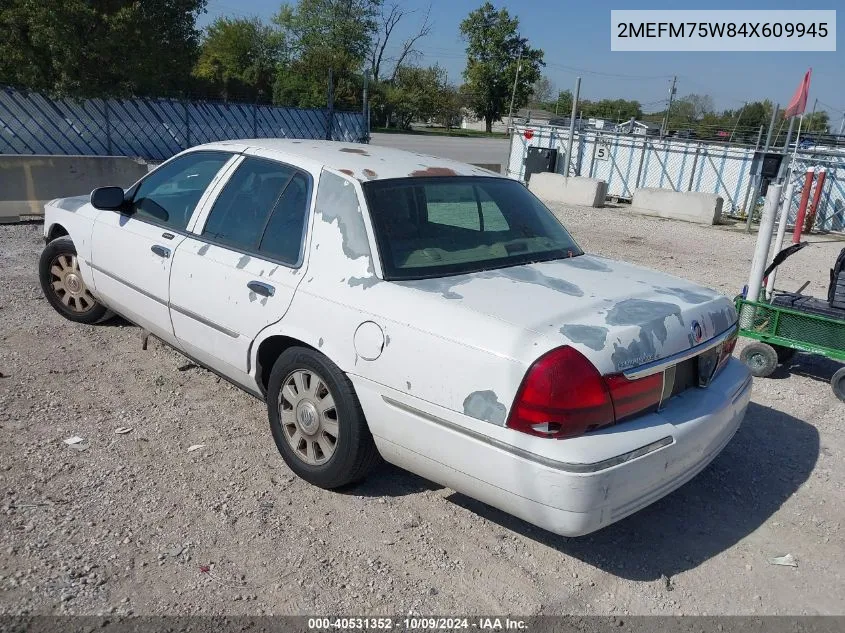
(727, 349)
(631, 397)
(563, 395)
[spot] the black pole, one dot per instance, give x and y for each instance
(108, 127)
(330, 104)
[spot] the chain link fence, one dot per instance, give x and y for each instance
(31, 123)
(830, 214)
(628, 162)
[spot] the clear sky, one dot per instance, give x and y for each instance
(575, 36)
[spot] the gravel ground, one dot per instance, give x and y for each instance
(137, 524)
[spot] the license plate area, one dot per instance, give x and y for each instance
(693, 372)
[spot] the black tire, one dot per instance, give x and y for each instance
(81, 306)
(785, 354)
(760, 358)
(354, 452)
(838, 384)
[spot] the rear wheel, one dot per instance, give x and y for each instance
(760, 358)
(838, 384)
(63, 286)
(317, 421)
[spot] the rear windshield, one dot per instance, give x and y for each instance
(431, 227)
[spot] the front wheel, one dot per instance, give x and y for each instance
(63, 286)
(838, 384)
(760, 358)
(316, 420)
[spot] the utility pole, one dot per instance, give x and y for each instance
(842, 125)
(365, 107)
(513, 92)
(569, 141)
(758, 178)
(559, 92)
(745, 103)
(668, 107)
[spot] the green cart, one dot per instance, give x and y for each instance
(791, 322)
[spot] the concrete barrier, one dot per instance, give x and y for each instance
(587, 192)
(689, 206)
(27, 182)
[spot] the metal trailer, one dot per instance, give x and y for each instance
(779, 330)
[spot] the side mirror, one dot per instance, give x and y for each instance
(107, 198)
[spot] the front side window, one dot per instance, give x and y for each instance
(262, 210)
(169, 195)
(431, 227)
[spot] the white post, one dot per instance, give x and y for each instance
(568, 158)
(784, 216)
(761, 253)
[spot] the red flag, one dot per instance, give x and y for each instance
(799, 99)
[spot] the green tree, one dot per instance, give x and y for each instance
(611, 109)
(239, 58)
(415, 94)
(95, 48)
(323, 35)
(816, 122)
(541, 93)
(494, 51)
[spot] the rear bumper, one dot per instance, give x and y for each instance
(567, 498)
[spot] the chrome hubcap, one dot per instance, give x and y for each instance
(68, 285)
(309, 416)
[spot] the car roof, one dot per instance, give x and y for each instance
(360, 161)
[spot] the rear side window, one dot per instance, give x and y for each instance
(261, 210)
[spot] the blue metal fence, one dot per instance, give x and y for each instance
(31, 123)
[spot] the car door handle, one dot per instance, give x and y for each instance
(259, 288)
(161, 251)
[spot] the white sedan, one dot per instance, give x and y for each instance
(385, 303)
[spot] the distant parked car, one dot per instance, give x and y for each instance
(387, 303)
(684, 134)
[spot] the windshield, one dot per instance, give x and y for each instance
(432, 227)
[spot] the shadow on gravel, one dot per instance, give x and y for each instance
(389, 481)
(770, 457)
(810, 366)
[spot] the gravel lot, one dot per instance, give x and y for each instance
(136, 524)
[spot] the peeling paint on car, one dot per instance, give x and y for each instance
(485, 405)
(243, 261)
(336, 201)
(408, 384)
(354, 150)
(72, 203)
(641, 350)
(651, 317)
(593, 336)
(364, 282)
(530, 275)
(320, 342)
(433, 171)
(690, 295)
(386, 340)
(370, 174)
(585, 262)
(438, 285)
(348, 172)
(722, 319)
(203, 249)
